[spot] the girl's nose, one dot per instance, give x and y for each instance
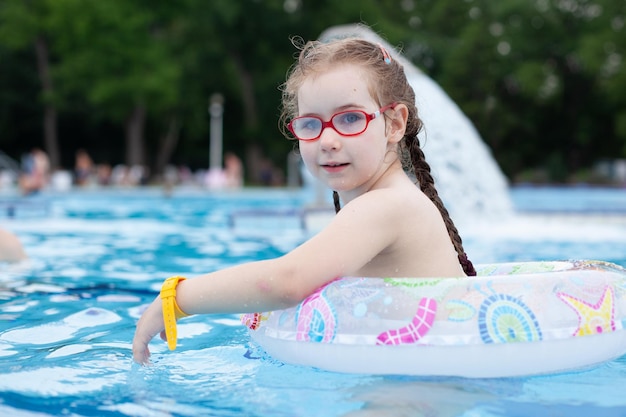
(330, 139)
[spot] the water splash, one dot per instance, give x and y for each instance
(467, 177)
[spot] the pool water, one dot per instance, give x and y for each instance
(67, 315)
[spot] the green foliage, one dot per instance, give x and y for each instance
(21, 22)
(543, 80)
(537, 68)
(115, 54)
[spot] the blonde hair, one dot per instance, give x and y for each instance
(387, 84)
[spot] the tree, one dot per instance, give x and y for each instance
(116, 55)
(603, 56)
(517, 69)
(542, 80)
(23, 25)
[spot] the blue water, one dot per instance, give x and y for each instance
(575, 199)
(67, 315)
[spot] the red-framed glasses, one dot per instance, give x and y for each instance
(346, 123)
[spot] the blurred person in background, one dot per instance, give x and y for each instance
(83, 168)
(35, 172)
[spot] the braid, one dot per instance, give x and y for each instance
(393, 88)
(336, 201)
(427, 185)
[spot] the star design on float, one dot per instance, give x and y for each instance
(592, 318)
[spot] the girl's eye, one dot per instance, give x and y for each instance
(309, 124)
(350, 118)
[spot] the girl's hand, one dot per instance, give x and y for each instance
(149, 325)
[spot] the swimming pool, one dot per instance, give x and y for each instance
(68, 314)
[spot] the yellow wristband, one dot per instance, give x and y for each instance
(171, 311)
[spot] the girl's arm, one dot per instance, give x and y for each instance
(359, 232)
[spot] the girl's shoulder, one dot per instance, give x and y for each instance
(393, 201)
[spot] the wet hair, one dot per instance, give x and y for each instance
(387, 84)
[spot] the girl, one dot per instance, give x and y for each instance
(352, 110)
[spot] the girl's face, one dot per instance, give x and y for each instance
(347, 164)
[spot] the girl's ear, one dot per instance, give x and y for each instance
(396, 126)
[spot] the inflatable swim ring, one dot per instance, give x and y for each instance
(512, 319)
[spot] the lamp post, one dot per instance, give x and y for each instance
(216, 110)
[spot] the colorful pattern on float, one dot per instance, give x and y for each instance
(253, 320)
(512, 303)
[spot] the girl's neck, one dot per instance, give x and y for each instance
(392, 176)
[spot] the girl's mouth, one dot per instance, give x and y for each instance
(334, 167)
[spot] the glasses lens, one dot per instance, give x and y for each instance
(350, 122)
(306, 127)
